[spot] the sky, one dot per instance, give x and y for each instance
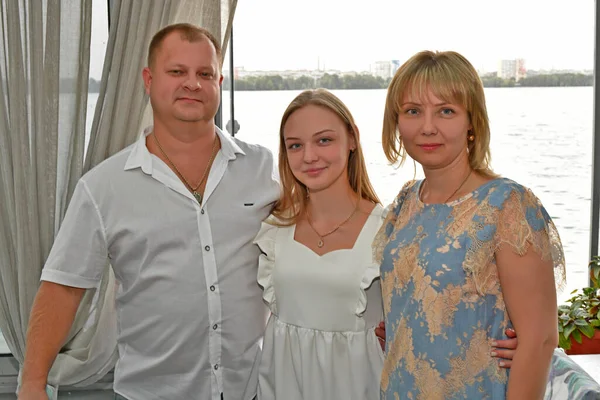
(350, 35)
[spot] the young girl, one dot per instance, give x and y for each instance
(317, 270)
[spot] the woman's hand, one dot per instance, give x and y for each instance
(505, 349)
(380, 333)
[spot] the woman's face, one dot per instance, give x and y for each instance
(434, 132)
(318, 146)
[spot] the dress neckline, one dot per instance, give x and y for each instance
(369, 220)
(453, 202)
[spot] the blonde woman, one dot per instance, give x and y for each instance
(464, 253)
(317, 271)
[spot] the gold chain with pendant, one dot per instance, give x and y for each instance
(194, 190)
(321, 242)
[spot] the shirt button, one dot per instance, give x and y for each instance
(212, 288)
(202, 211)
(216, 366)
(207, 248)
(215, 327)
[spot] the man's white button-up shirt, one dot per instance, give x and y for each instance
(190, 312)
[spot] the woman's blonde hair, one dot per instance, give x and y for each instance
(452, 78)
(294, 197)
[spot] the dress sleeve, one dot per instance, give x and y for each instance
(266, 262)
(372, 272)
(524, 223)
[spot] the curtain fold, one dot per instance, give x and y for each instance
(44, 58)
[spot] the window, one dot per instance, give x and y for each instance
(541, 136)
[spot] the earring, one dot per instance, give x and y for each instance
(470, 136)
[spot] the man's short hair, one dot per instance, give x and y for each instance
(187, 32)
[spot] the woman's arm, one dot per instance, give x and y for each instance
(530, 296)
(503, 348)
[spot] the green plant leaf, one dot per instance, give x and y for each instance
(569, 329)
(581, 322)
(577, 336)
(587, 330)
(565, 317)
(563, 342)
(594, 323)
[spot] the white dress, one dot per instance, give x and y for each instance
(320, 341)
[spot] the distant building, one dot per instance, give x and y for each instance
(507, 69)
(512, 69)
(385, 69)
(241, 72)
(395, 66)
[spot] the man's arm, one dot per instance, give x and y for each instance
(52, 315)
(76, 261)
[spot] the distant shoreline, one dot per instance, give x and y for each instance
(367, 82)
(486, 87)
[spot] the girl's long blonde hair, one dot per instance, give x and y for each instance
(294, 197)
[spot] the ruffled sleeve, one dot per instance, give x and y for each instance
(523, 223)
(372, 271)
(266, 262)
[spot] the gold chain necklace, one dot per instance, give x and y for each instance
(194, 190)
(453, 193)
(321, 243)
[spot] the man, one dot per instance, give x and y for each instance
(175, 214)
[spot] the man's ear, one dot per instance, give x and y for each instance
(147, 77)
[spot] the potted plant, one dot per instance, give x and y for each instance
(579, 317)
(594, 267)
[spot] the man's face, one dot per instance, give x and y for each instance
(184, 80)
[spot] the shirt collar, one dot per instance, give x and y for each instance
(229, 147)
(140, 157)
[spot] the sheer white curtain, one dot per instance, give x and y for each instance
(44, 72)
(44, 61)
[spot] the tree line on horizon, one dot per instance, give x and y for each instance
(367, 81)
